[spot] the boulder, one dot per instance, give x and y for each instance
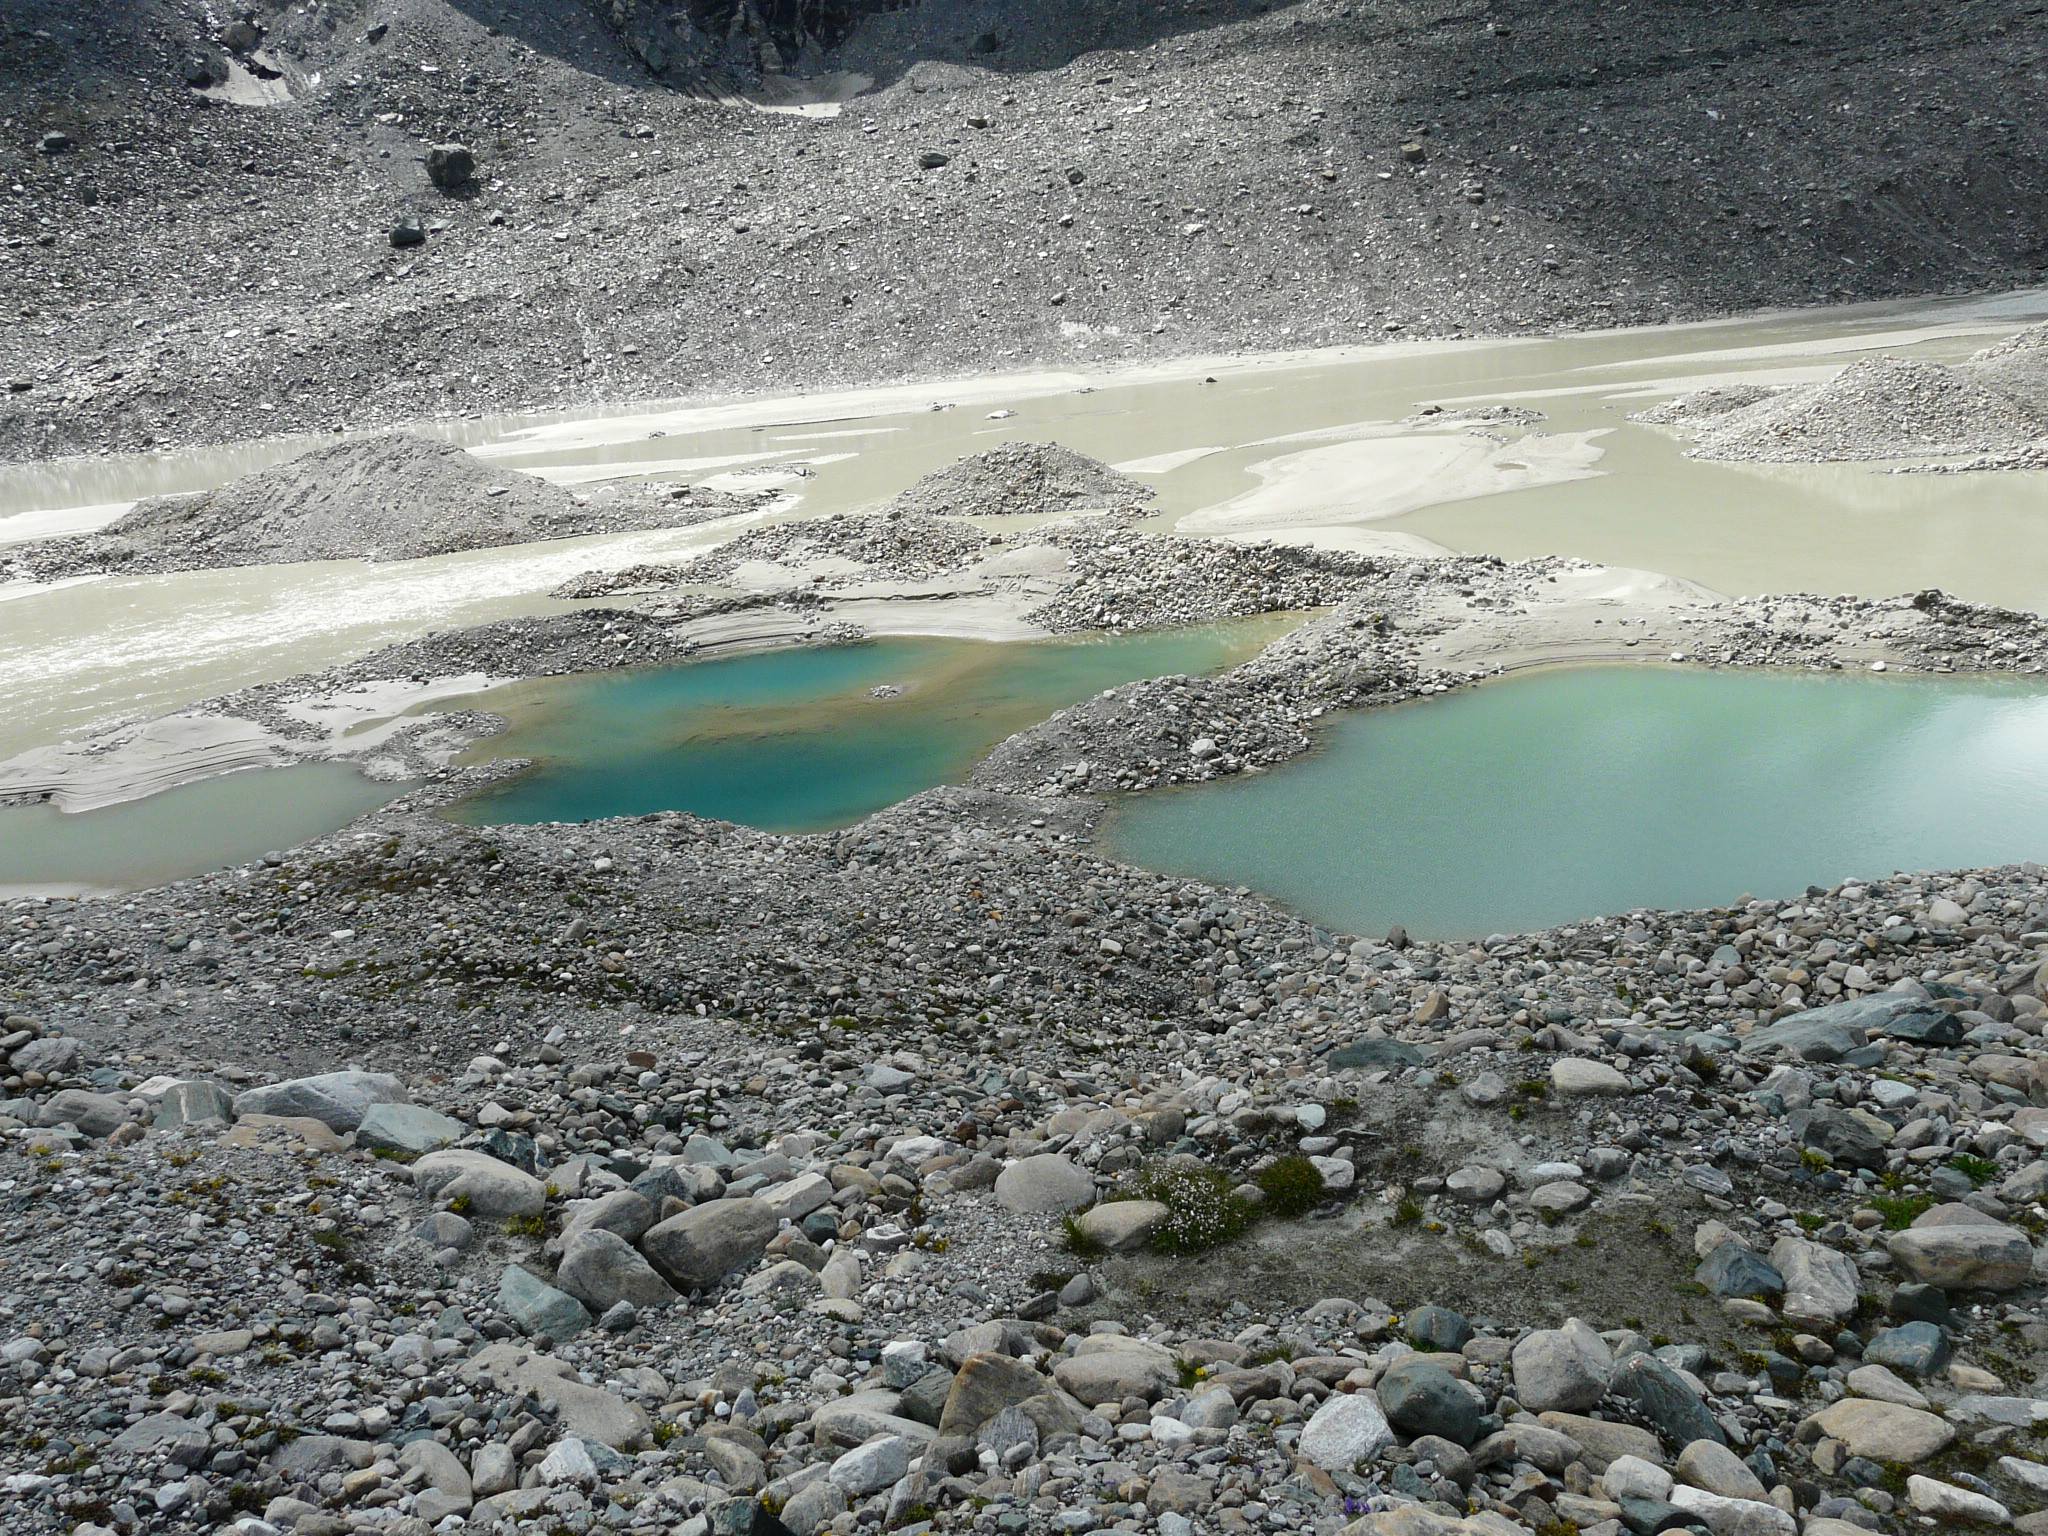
(479, 1182)
(706, 1243)
(1951, 1506)
(1601, 1441)
(1819, 1034)
(193, 1101)
(1957, 1248)
(626, 1212)
(794, 1199)
(538, 1308)
(601, 1269)
(451, 166)
(1731, 1270)
(1848, 1138)
(860, 1416)
(1879, 1382)
(1820, 1284)
(1045, 1183)
(52, 1055)
(1476, 1184)
(338, 1100)
(1122, 1226)
(1574, 1077)
(1918, 1349)
(1438, 1329)
(983, 1387)
(1663, 1397)
(873, 1465)
(1733, 1517)
(1564, 1368)
(1374, 1054)
(1885, 1431)
(1420, 1398)
(95, 1114)
(412, 1129)
(1117, 1369)
(1348, 1428)
(1711, 1465)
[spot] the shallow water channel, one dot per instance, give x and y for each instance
(1563, 794)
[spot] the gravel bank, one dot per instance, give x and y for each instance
(393, 497)
(1992, 404)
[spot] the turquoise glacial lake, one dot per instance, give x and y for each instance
(796, 740)
(1565, 794)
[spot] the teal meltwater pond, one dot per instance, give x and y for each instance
(797, 740)
(1565, 794)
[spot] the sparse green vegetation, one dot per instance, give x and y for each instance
(1202, 1209)
(1291, 1185)
(1899, 1211)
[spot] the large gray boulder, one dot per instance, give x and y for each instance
(874, 1465)
(483, 1185)
(626, 1212)
(860, 1416)
(1561, 1369)
(1667, 1400)
(1958, 1248)
(1819, 1034)
(1575, 1077)
(52, 1055)
(1122, 1226)
(193, 1101)
(538, 1308)
(1114, 1368)
(1044, 1184)
(1422, 1398)
(338, 1100)
(1820, 1284)
(96, 1114)
(1347, 1429)
(706, 1243)
(601, 1269)
(983, 1387)
(1850, 1138)
(411, 1129)
(1885, 1431)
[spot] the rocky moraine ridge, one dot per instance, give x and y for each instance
(937, 1174)
(1040, 1195)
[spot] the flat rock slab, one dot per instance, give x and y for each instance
(1044, 1184)
(1885, 1431)
(1574, 1077)
(413, 1129)
(1123, 1369)
(589, 1413)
